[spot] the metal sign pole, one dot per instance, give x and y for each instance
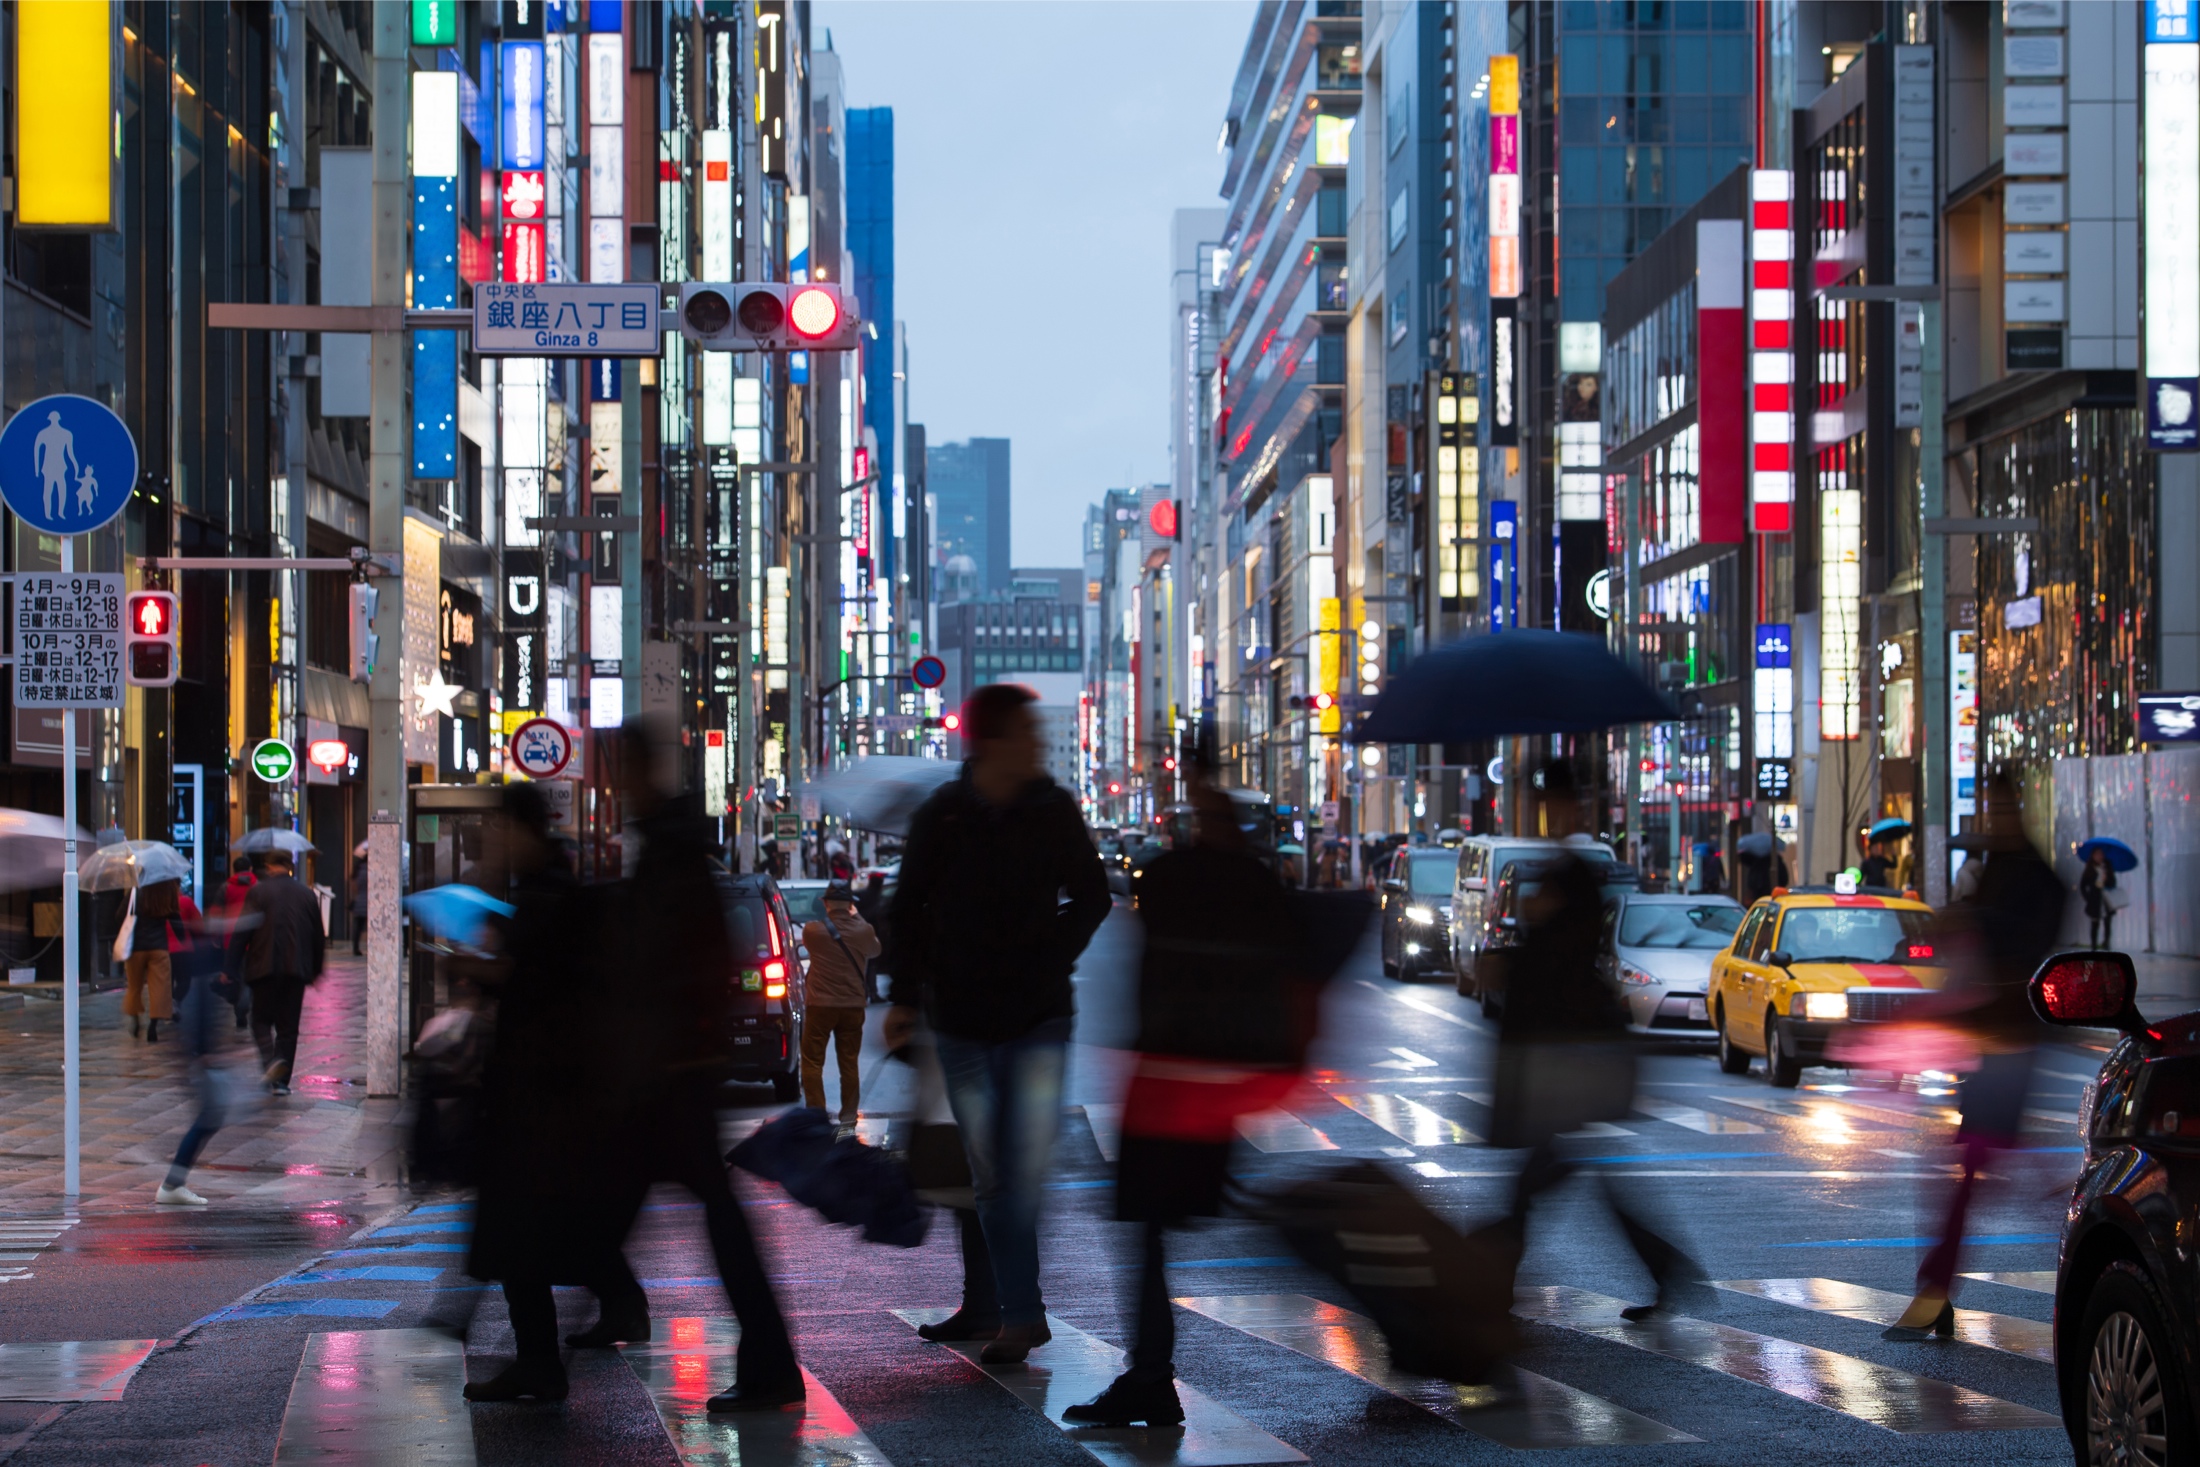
(71, 1059)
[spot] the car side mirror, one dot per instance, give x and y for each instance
(2093, 990)
(1780, 957)
(1394, 886)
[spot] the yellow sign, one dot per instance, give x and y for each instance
(1504, 86)
(1328, 661)
(65, 131)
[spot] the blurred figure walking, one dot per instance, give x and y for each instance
(148, 972)
(285, 951)
(1225, 1013)
(841, 945)
(204, 1000)
(1995, 939)
(984, 945)
(2095, 883)
(1563, 1059)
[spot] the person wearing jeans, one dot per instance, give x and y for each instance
(984, 943)
(840, 946)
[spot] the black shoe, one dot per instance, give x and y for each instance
(1944, 1325)
(760, 1398)
(964, 1324)
(1014, 1343)
(1689, 1295)
(521, 1382)
(1132, 1399)
(133, 1026)
(152, 1030)
(605, 1333)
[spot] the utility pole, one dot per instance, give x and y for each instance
(1934, 789)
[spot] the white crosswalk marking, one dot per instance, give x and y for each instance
(22, 1239)
(1276, 1130)
(2036, 1280)
(1703, 1122)
(1410, 1121)
(1600, 1128)
(1828, 1120)
(1879, 1394)
(71, 1370)
(388, 1395)
(2027, 1337)
(1074, 1367)
(1550, 1414)
(692, 1359)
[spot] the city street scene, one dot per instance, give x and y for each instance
(874, 733)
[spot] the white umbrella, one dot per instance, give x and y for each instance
(31, 849)
(270, 838)
(882, 791)
(130, 863)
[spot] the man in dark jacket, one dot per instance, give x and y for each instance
(284, 952)
(984, 944)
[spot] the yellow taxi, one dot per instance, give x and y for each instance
(1808, 962)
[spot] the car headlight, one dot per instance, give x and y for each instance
(1821, 1006)
(1420, 914)
(1634, 977)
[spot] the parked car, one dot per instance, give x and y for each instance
(1415, 916)
(2127, 1309)
(1809, 962)
(1483, 861)
(1658, 948)
(764, 991)
(805, 903)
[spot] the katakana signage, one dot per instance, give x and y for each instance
(68, 640)
(566, 320)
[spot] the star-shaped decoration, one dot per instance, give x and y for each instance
(437, 696)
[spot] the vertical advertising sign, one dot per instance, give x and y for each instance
(1772, 351)
(1722, 387)
(1504, 374)
(1962, 724)
(606, 158)
(2170, 308)
(435, 153)
(1504, 199)
(524, 685)
(67, 142)
(520, 107)
(1504, 575)
(771, 87)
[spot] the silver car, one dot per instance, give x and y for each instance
(1658, 949)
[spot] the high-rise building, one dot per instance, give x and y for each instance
(870, 181)
(968, 483)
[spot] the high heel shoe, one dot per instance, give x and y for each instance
(133, 1026)
(152, 1031)
(1942, 1324)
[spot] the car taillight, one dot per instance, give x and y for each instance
(775, 990)
(775, 978)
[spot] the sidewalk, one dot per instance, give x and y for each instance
(325, 1141)
(2167, 985)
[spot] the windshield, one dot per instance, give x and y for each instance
(1856, 935)
(1430, 875)
(1505, 857)
(805, 904)
(1669, 924)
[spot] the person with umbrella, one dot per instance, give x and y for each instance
(2104, 856)
(284, 952)
(1759, 868)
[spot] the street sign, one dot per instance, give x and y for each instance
(2169, 718)
(273, 761)
(541, 747)
(898, 722)
(67, 464)
(928, 672)
(786, 826)
(68, 640)
(566, 320)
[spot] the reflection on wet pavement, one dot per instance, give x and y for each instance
(2027, 1337)
(692, 1361)
(71, 1370)
(375, 1396)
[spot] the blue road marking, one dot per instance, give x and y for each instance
(398, 1248)
(321, 1308)
(1975, 1238)
(405, 1229)
(442, 1207)
(373, 1273)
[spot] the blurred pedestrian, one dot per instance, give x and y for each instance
(1759, 867)
(1876, 869)
(285, 951)
(204, 1001)
(358, 902)
(543, 1100)
(2095, 882)
(984, 944)
(1563, 1059)
(225, 925)
(147, 972)
(841, 945)
(1994, 942)
(1225, 1013)
(673, 936)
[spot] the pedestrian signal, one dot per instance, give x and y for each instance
(153, 648)
(768, 317)
(365, 642)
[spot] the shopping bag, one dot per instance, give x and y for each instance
(127, 932)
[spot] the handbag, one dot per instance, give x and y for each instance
(127, 932)
(2115, 898)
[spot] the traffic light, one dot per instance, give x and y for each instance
(951, 722)
(365, 642)
(1313, 702)
(152, 647)
(768, 317)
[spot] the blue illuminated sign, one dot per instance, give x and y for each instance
(519, 107)
(2173, 21)
(1775, 644)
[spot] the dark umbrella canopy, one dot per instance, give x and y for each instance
(2120, 856)
(1517, 682)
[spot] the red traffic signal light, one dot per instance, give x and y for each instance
(813, 312)
(152, 644)
(953, 722)
(1162, 518)
(768, 316)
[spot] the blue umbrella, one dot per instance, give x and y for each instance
(456, 913)
(1890, 829)
(2120, 856)
(1517, 682)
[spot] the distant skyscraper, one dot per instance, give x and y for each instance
(969, 484)
(871, 241)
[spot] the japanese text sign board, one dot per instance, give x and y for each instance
(566, 320)
(68, 640)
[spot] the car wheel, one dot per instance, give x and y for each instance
(786, 1087)
(1491, 1008)
(1783, 1069)
(1732, 1060)
(2135, 1407)
(1390, 966)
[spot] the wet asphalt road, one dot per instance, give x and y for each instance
(1828, 1192)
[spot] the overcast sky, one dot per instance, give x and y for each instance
(1039, 151)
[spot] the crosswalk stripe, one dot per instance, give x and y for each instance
(71, 1370)
(2005, 1332)
(1825, 1116)
(1550, 1413)
(1878, 1394)
(1278, 1130)
(1703, 1122)
(1106, 1122)
(1075, 1367)
(692, 1360)
(2037, 1280)
(1410, 1121)
(389, 1395)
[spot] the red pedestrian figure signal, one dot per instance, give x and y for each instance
(153, 647)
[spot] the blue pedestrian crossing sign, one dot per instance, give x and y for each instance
(67, 464)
